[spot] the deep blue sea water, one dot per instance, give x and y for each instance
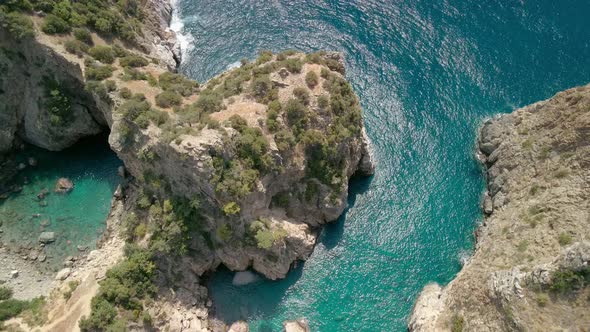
(427, 73)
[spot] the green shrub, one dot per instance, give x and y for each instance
(76, 47)
(457, 323)
(565, 280)
(110, 85)
(178, 83)
(209, 102)
(133, 61)
(133, 74)
(264, 236)
(20, 26)
(296, 114)
(5, 293)
(125, 93)
(564, 239)
(57, 102)
(72, 285)
(11, 308)
(102, 315)
(263, 57)
(285, 140)
(522, 245)
(325, 73)
(542, 299)
(53, 24)
(231, 208)
(224, 232)
(323, 102)
(302, 94)
(98, 73)
(260, 87)
(311, 79)
(104, 54)
(168, 99)
(293, 65)
(83, 35)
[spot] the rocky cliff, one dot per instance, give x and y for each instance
(530, 268)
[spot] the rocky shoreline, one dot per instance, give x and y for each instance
(535, 231)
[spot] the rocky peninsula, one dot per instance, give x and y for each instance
(530, 269)
(241, 171)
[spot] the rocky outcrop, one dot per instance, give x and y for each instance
(158, 40)
(535, 232)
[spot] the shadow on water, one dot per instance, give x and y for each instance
(332, 232)
(260, 300)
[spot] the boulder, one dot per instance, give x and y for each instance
(14, 274)
(32, 161)
(240, 326)
(42, 194)
(47, 237)
(63, 274)
(300, 325)
(64, 185)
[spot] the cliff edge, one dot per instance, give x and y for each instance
(530, 268)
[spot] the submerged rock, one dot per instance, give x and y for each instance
(64, 185)
(240, 326)
(47, 237)
(300, 325)
(42, 194)
(32, 161)
(244, 277)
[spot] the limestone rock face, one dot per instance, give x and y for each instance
(158, 40)
(30, 72)
(537, 160)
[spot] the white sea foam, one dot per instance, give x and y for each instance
(177, 25)
(236, 64)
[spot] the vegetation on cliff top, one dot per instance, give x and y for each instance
(107, 17)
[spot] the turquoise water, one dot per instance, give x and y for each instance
(77, 218)
(427, 72)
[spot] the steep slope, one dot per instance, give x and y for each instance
(530, 269)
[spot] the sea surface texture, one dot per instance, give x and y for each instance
(77, 218)
(427, 74)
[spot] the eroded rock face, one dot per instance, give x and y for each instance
(31, 72)
(537, 160)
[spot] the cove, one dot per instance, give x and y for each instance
(77, 218)
(427, 73)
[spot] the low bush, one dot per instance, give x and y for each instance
(178, 83)
(53, 24)
(231, 208)
(83, 35)
(125, 93)
(263, 57)
(19, 25)
(98, 72)
(133, 74)
(311, 79)
(293, 65)
(133, 61)
(104, 54)
(76, 47)
(302, 94)
(5, 293)
(565, 280)
(168, 99)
